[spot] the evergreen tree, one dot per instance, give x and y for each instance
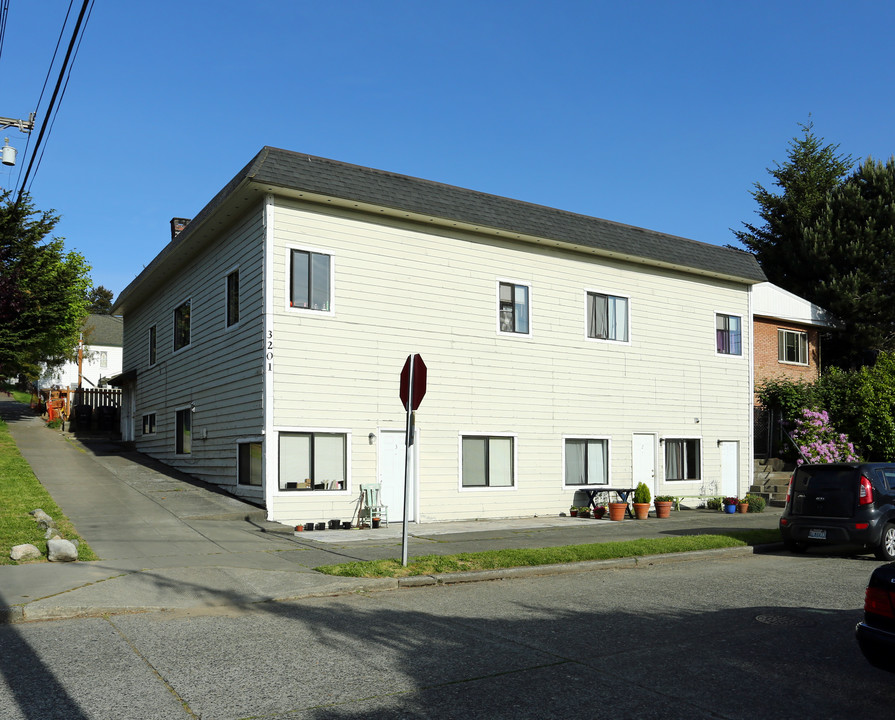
(43, 290)
(100, 301)
(812, 171)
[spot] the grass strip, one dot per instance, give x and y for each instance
(531, 557)
(20, 493)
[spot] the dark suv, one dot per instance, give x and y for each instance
(841, 504)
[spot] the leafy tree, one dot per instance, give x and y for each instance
(100, 301)
(813, 169)
(851, 246)
(43, 290)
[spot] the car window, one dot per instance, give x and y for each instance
(889, 475)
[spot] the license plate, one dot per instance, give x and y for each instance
(817, 534)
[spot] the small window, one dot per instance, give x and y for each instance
(682, 460)
(313, 461)
(792, 346)
(728, 334)
(233, 298)
(149, 424)
(152, 345)
(487, 461)
(310, 281)
(607, 317)
(513, 308)
(587, 462)
(103, 358)
(182, 326)
(249, 464)
(184, 432)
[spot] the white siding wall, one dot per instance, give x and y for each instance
(402, 288)
(220, 372)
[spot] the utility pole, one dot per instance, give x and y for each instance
(25, 126)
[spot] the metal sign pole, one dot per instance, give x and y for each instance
(408, 443)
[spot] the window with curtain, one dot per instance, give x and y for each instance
(682, 460)
(607, 317)
(487, 461)
(310, 280)
(182, 326)
(792, 346)
(728, 334)
(313, 461)
(513, 308)
(587, 462)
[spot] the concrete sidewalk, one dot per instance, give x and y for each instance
(168, 541)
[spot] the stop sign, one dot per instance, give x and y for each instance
(418, 390)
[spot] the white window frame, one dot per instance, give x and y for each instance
(153, 414)
(626, 298)
(332, 281)
(528, 286)
(487, 488)
(177, 410)
(742, 353)
(664, 441)
(780, 334)
(259, 440)
(227, 274)
(179, 305)
(608, 440)
(275, 458)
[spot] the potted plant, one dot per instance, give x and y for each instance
(663, 505)
(599, 511)
(573, 511)
(730, 505)
(617, 510)
(584, 511)
(642, 497)
(757, 503)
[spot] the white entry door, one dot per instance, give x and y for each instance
(391, 473)
(730, 467)
(644, 460)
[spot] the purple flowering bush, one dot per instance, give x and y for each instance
(819, 442)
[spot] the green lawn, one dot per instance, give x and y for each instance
(21, 492)
(497, 559)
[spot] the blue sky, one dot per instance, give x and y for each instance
(657, 114)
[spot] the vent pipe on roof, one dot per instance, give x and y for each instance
(177, 226)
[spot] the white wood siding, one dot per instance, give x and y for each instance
(404, 288)
(220, 372)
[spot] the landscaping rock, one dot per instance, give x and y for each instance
(24, 552)
(59, 550)
(44, 520)
(51, 533)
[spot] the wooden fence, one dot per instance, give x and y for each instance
(96, 397)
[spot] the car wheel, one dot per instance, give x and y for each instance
(795, 547)
(886, 548)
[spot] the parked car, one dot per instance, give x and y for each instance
(849, 504)
(876, 634)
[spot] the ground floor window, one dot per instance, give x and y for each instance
(149, 424)
(682, 461)
(587, 461)
(487, 461)
(313, 461)
(249, 463)
(184, 432)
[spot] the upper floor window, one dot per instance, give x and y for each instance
(587, 461)
(182, 326)
(607, 317)
(152, 345)
(728, 334)
(513, 308)
(487, 461)
(233, 298)
(792, 346)
(310, 280)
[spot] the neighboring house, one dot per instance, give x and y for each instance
(102, 355)
(263, 348)
(787, 334)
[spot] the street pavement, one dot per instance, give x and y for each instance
(170, 542)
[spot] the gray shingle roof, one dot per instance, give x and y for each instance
(103, 330)
(273, 169)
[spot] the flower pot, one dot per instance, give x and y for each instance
(584, 513)
(334, 524)
(641, 510)
(346, 525)
(375, 523)
(743, 508)
(573, 513)
(599, 513)
(663, 508)
(309, 526)
(730, 509)
(617, 510)
(320, 526)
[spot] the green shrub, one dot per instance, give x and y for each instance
(757, 503)
(642, 493)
